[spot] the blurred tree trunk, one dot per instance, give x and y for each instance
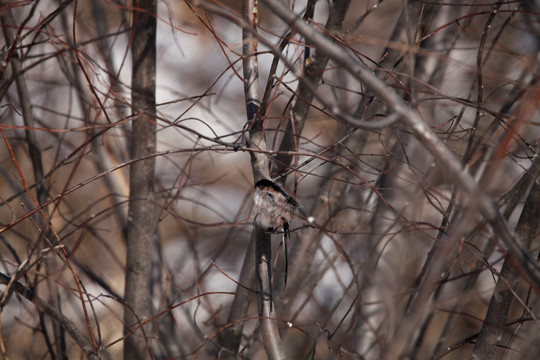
(493, 327)
(141, 213)
(398, 247)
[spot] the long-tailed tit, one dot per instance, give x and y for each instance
(273, 206)
(274, 209)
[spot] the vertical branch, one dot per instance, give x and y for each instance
(256, 140)
(232, 335)
(402, 340)
(313, 73)
(303, 250)
(480, 82)
(37, 166)
(28, 118)
(46, 308)
(269, 330)
(103, 161)
(527, 227)
(259, 164)
(503, 294)
(424, 134)
(141, 213)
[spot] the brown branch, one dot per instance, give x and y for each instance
(60, 318)
(141, 212)
(267, 312)
(503, 295)
(332, 109)
(480, 82)
(254, 265)
(477, 198)
(424, 134)
(44, 224)
(259, 165)
(304, 96)
(232, 335)
(303, 250)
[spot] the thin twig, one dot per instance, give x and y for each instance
(48, 309)
(424, 134)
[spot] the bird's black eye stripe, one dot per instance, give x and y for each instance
(266, 183)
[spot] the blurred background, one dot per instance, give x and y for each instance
(380, 201)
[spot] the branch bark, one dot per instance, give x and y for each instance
(259, 165)
(313, 73)
(51, 311)
(303, 249)
(141, 213)
(232, 335)
(423, 133)
(477, 198)
(503, 294)
(260, 241)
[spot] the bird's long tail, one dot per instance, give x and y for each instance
(285, 237)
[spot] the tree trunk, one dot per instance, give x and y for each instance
(141, 213)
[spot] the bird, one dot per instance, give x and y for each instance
(274, 210)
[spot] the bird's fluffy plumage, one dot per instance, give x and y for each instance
(274, 209)
(273, 206)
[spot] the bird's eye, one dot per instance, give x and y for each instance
(269, 194)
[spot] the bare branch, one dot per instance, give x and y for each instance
(391, 232)
(259, 165)
(424, 134)
(141, 213)
(66, 323)
(503, 295)
(313, 74)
